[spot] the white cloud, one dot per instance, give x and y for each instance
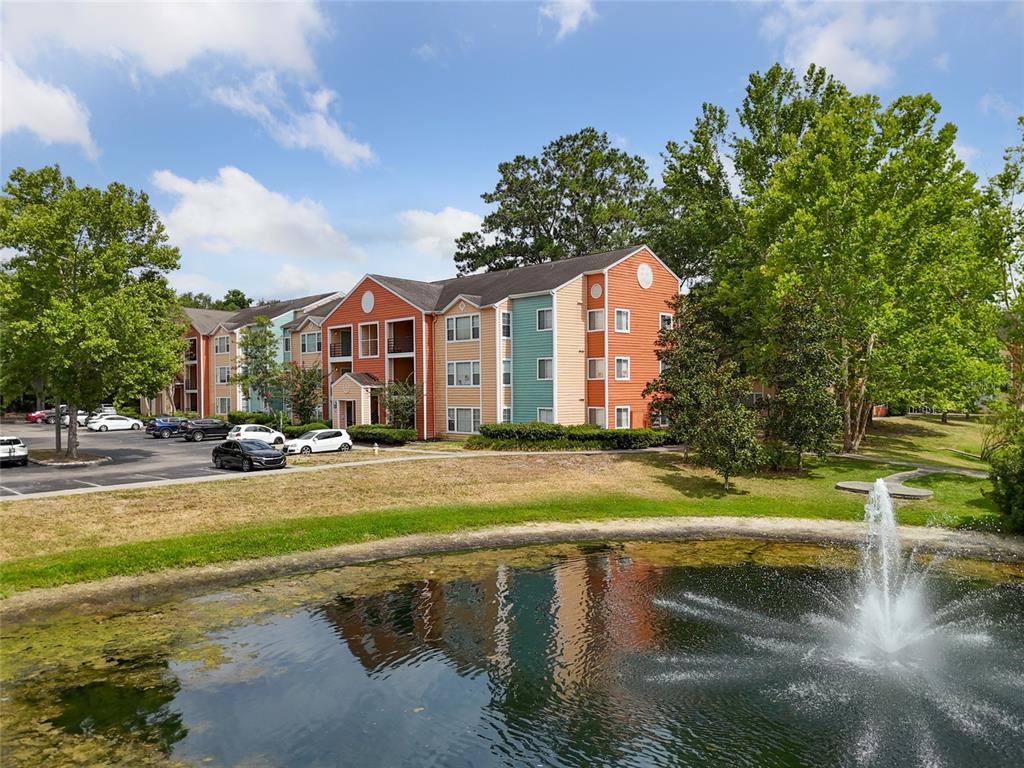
(569, 14)
(856, 42)
(965, 152)
(941, 62)
(292, 280)
(265, 101)
(427, 52)
(166, 37)
(234, 214)
(195, 283)
(999, 104)
(52, 113)
(435, 233)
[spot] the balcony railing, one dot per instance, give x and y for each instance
(340, 350)
(399, 344)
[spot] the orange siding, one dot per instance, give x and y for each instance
(645, 306)
(595, 342)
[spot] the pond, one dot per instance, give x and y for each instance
(720, 653)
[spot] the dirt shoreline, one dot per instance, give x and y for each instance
(140, 592)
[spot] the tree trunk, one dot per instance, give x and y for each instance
(72, 452)
(56, 421)
(860, 408)
(799, 459)
(945, 417)
(726, 482)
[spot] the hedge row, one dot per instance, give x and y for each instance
(585, 435)
(1008, 484)
(379, 433)
(253, 417)
(291, 431)
(481, 443)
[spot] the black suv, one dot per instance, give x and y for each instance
(247, 455)
(164, 426)
(198, 430)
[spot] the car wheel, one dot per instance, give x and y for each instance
(345, 447)
(103, 427)
(247, 465)
(24, 462)
(218, 463)
(279, 441)
(136, 426)
(198, 436)
(50, 420)
(306, 450)
(165, 433)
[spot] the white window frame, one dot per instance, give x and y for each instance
(227, 374)
(287, 343)
(661, 320)
(453, 421)
(629, 416)
(598, 422)
(660, 420)
(304, 347)
(506, 324)
(217, 344)
(451, 327)
(551, 315)
(617, 361)
(376, 326)
(506, 372)
(600, 374)
(622, 313)
(550, 360)
(217, 405)
(594, 325)
(661, 367)
(551, 411)
(506, 415)
(453, 373)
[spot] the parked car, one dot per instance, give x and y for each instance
(164, 426)
(320, 440)
(247, 455)
(36, 416)
(256, 432)
(197, 430)
(83, 419)
(13, 451)
(111, 423)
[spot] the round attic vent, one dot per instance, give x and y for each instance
(367, 301)
(595, 290)
(644, 276)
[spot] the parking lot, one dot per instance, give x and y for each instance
(137, 458)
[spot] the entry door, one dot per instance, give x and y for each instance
(350, 413)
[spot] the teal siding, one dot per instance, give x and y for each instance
(528, 344)
(256, 403)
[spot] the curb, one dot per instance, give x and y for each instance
(69, 464)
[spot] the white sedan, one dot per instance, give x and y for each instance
(319, 441)
(256, 432)
(111, 423)
(13, 450)
(83, 419)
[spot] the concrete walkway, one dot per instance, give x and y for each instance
(895, 482)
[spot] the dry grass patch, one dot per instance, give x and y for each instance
(348, 457)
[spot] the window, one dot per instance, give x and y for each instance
(544, 320)
(506, 372)
(463, 327)
(546, 415)
(287, 342)
(622, 321)
(310, 342)
(665, 320)
(595, 320)
(506, 325)
(223, 405)
(368, 340)
(223, 374)
(545, 369)
(464, 420)
(659, 420)
(464, 374)
(661, 367)
(595, 368)
(622, 417)
(596, 417)
(506, 415)
(222, 344)
(622, 369)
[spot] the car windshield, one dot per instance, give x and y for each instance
(308, 435)
(252, 445)
(10, 441)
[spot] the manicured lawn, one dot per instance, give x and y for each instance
(925, 439)
(44, 546)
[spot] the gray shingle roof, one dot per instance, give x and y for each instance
(276, 309)
(364, 379)
(206, 320)
(487, 288)
(302, 317)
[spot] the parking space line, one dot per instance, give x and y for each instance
(10, 490)
(151, 477)
(84, 482)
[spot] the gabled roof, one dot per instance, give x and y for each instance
(363, 379)
(206, 321)
(302, 318)
(277, 308)
(420, 294)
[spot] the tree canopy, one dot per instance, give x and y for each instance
(233, 300)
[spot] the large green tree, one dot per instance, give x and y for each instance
(303, 390)
(85, 291)
(258, 371)
(581, 194)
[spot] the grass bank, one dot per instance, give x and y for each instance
(56, 541)
(925, 439)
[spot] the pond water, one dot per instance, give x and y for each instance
(701, 653)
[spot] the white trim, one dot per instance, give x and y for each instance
(629, 370)
(629, 416)
(455, 329)
(423, 326)
(546, 408)
(460, 297)
(371, 278)
(216, 406)
(604, 283)
(449, 420)
(599, 410)
(629, 320)
(454, 375)
(537, 371)
(604, 324)
(671, 320)
(303, 334)
(499, 352)
(550, 309)
(227, 374)
(604, 372)
(388, 322)
(554, 354)
(218, 338)
(361, 356)
(501, 323)
(501, 368)
(352, 342)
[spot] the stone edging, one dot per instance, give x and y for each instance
(69, 464)
(147, 589)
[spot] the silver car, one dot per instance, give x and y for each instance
(13, 451)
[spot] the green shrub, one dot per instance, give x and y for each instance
(536, 436)
(532, 430)
(253, 417)
(1008, 484)
(379, 433)
(481, 443)
(291, 431)
(631, 439)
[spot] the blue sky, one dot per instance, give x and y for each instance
(293, 147)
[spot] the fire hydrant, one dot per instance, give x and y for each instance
(376, 450)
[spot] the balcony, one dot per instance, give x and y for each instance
(398, 345)
(340, 349)
(190, 355)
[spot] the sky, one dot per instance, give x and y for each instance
(292, 147)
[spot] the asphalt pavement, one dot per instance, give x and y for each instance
(137, 458)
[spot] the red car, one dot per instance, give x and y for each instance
(36, 416)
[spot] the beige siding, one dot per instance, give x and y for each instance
(490, 377)
(445, 352)
(440, 377)
(346, 389)
(465, 396)
(570, 351)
